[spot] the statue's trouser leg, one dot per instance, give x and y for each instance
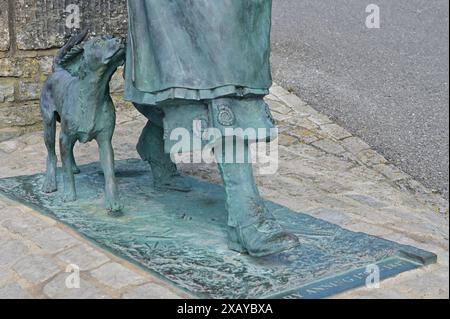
(252, 227)
(151, 149)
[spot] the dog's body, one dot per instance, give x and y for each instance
(77, 95)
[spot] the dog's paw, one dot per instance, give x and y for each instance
(49, 187)
(114, 208)
(76, 170)
(69, 197)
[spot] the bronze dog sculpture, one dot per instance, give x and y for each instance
(77, 95)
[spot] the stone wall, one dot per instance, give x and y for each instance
(31, 31)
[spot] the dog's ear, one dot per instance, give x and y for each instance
(72, 61)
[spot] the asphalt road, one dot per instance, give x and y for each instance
(389, 85)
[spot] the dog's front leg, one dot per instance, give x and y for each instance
(113, 204)
(65, 144)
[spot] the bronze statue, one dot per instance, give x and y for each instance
(207, 60)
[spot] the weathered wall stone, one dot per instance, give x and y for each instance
(4, 26)
(21, 116)
(29, 90)
(9, 67)
(26, 57)
(43, 24)
(19, 119)
(7, 90)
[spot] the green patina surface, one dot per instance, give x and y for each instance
(182, 238)
(197, 50)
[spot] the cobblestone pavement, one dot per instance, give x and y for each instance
(323, 171)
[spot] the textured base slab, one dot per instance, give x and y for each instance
(182, 238)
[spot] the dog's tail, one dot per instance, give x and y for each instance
(73, 41)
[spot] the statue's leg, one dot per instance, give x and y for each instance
(112, 201)
(252, 227)
(50, 137)
(151, 149)
(75, 168)
(65, 144)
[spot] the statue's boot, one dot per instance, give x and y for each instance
(252, 227)
(151, 149)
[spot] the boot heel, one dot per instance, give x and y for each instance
(234, 243)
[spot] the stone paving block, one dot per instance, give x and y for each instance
(329, 146)
(54, 240)
(278, 91)
(367, 173)
(57, 289)
(278, 107)
(320, 119)
(5, 276)
(303, 135)
(350, 157)
(330, 202)
(13, 291)
(24, 224)
(272, 97)
(371, 158)
(355, 145)
(85, 257)
(334, 216)
(36, 268)
(427, 285)
(335, 131)
(369, 229)
(391, 172)
(334, 164)
(414, 186)
(286, 140)
(280, 118)
(376, 293)
(150, 291)
(332, 186)
(422, 232)
(367, 200)
(11, 251)
(117, 276)
(302, 122)
(9, 212)
(443, 259)
(300, 107)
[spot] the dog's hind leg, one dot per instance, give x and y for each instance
(50, 185)
(75, 168)
(65, 143)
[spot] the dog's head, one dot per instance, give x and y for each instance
(100, 55)
(104, 53)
